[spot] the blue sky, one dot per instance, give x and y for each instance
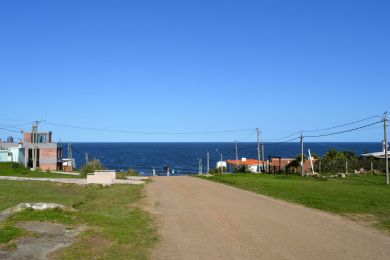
(194, 66)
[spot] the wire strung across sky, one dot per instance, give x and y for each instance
(285, 137)
(344, 131)
(342, 125)
(330, 128)
(148, 133)
(250, 130)
(283, 142)
(10, 130)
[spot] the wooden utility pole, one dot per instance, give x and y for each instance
(258, 149)
(386, 148)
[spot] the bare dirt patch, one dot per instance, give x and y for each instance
(50, 237)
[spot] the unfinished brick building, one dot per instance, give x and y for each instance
(49, 154)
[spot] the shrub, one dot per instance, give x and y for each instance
(241, 169)
(132, 172)
(121, 175)
(92, 166)
(216, 171)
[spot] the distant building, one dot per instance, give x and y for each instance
(380, 155)
(10, 139)
(280, 164)
(252, 164)
(220, 164)
(274, 165)
(68, 164)
(49, 154)
(12, 153)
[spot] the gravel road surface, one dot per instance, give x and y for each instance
(199, 219)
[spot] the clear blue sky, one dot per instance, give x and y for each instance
(185, 66)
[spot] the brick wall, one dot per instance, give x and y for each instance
(26, 137)
(283, 162)
(48, 158)
(48, 153)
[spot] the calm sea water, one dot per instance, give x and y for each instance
(183, 157)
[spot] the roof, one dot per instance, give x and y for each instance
(282, 159)
(247, 162)
(377, 154)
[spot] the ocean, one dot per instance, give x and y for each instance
(183, 157)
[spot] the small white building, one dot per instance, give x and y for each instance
(221, 164)
(13, 154)
(380, 155)
(252, 164)
(68, 164)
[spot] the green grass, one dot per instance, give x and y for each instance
(356, 195)
(116, 227)
(12, 169)
(8, 233)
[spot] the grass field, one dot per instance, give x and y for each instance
(365, 198)
(12, 169)
(116, 226)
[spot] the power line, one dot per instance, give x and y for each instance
(346, 124)
(9, 130)
(324, 129)
(146, 132)
(287, 141)
(285, 137)
(345, 131)
(13, 126)
(252, 133)
(336, 147)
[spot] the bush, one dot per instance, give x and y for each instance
(241, 169)
(335, 162)
(92, 166)
(124, 175)
(132, 172)
(121, 175)
(216, 171)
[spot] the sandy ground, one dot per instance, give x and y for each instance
(133, 180)
(199, 219)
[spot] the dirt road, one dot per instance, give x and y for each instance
(199, 219)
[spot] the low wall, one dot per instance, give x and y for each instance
(101, 177)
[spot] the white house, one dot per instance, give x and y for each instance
(13, 154)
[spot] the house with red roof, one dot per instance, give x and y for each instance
(252, 164)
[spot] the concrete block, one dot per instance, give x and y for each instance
(104, 178)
